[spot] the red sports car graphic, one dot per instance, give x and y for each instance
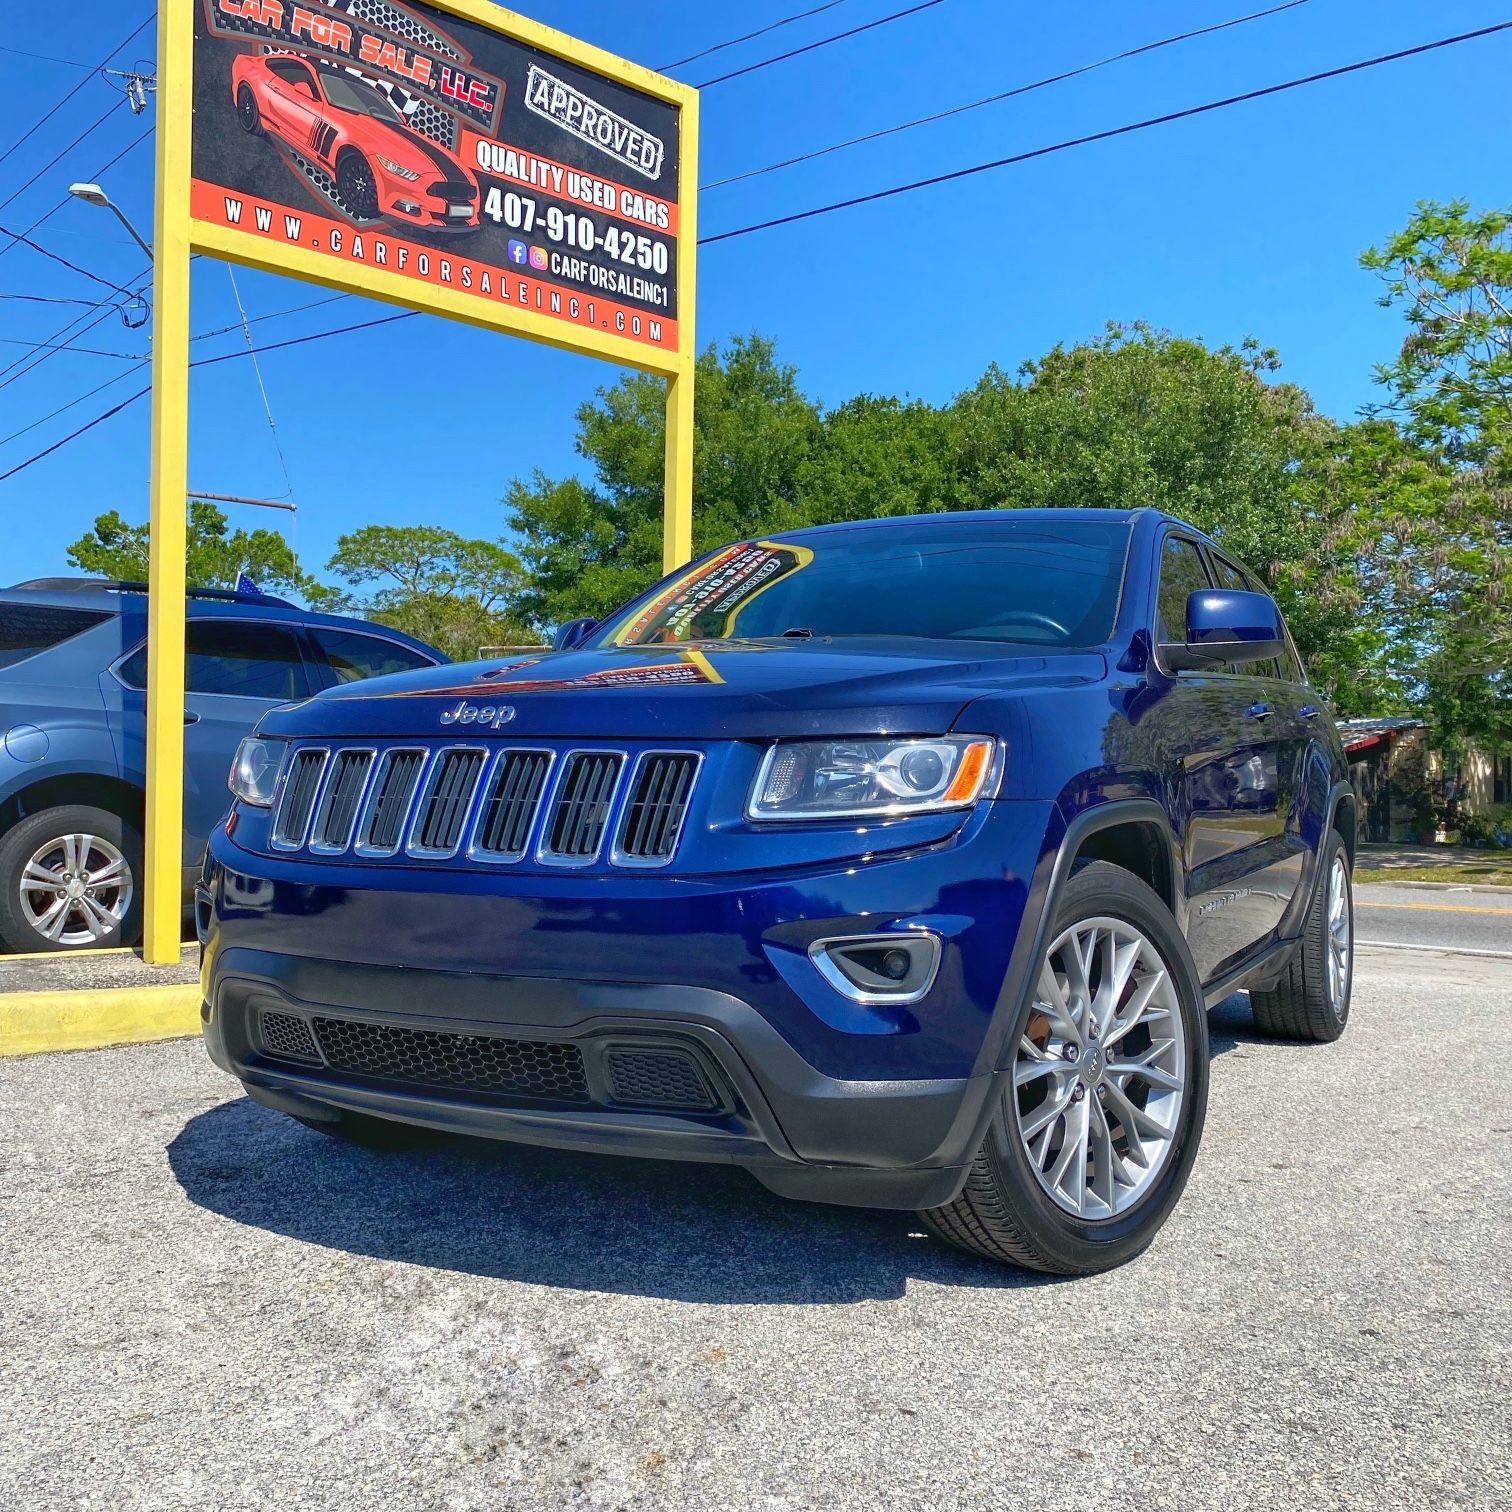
(378, 166)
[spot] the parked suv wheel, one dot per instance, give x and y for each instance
(71, 880)
(1092, 1143)
(1311, 1001)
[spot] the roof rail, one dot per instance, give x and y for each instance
(110, 585)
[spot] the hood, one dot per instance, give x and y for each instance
(714, 690)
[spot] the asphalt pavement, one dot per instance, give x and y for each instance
(206, 1305)
(1436, 916)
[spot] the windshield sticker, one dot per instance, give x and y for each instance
(719, 589)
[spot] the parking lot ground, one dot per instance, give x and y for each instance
(208, 1306)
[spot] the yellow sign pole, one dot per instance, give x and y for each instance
(164, 839)
(677, 498)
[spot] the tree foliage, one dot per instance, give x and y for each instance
(216, 554)
(455, 593)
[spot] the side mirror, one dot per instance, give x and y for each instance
(1226, 625)
(573, 633)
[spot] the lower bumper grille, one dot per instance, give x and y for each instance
(427, 1058)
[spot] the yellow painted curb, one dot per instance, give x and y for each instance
(88, 1019)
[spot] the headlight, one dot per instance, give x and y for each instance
(853, 779)
(254, 773)
(397, 168)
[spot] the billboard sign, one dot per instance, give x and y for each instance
(412, 147)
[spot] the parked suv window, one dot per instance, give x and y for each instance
(1181, 575)
(354, 657)
(234, 659)
(26, 629)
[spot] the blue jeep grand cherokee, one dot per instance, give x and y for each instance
(896, 862)
(73, 677)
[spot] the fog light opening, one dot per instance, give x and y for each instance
(879, 969)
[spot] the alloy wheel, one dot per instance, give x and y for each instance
(1101, 1072)
(1339, 924)
(76, 890)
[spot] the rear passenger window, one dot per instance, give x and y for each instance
(1181, 575)
(234, 659)
(26, 629)
(354, 656)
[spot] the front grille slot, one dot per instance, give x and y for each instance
(509, 809)
(580, 811)
(336, 817)
(285, 1037)
(443, 811)
(657, 807)
(393, 792)
(300, 788)
(657, 1078)
(473, 1062)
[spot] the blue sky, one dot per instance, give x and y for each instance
(1247, 221)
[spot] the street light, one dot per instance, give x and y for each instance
(92, 194)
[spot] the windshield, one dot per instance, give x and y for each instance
(1043, 583)
(344, 94)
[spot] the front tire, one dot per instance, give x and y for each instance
(70, 879)
(357, 186)
(1311, 1001)
(1102, 1113)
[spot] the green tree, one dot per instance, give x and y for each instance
(1450, 271)
(588, 546)
(1139, 417)
(215, 554)
(458, 595)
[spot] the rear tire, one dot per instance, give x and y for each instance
(70, 879)
(1116, 990)
(1311, 1000)
(248, 112)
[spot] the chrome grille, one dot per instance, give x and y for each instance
(448, 797)
(508, 806)
(292, 823)
(336, 817)
(659, 794)
(509, 809)
(580, 810)
(393, 792)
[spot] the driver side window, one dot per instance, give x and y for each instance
(1181, 574)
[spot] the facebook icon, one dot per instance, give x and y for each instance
(519, 254)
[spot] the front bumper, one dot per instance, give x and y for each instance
(818, 1096)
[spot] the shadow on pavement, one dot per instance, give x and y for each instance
(1231, 1024)
(688, 1232)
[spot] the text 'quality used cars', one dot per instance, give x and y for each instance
(897, 862)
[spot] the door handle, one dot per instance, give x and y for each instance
(1308, 711)
(190, 717)
(1260, 711)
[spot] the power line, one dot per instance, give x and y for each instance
(49, 346)
(1103, 136)
(80, 325)
(21, 236)
(116, 409)
(99, 173)
(798, 52)
(1007, 94)
(21, 52)
(94, 304)
(262, 388)
(53, 414)
(16, 194)
(721, 46)
(131, 37)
